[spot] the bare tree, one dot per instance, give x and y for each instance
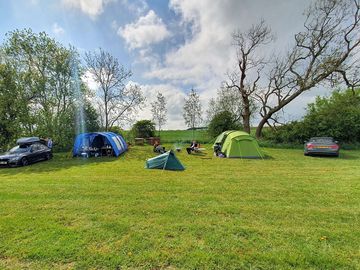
(158, 109)
(192, 110)
(327, 46)
(249, 66)
(117, 102)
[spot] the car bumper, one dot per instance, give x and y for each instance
(321, 153)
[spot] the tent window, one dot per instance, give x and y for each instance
(116, 140)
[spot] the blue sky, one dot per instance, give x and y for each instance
(170, 46)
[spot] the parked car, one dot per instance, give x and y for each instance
(26, 152)
(322, 146)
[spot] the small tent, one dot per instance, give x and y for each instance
(238, 144)
(166, 161)
(95, 142)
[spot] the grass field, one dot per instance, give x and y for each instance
(285, 212)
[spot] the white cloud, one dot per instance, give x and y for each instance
(89, 80)
(148, 29)
(93, 8)
(57, 29)
(206, 54)
(174, 102)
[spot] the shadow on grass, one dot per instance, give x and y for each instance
(347, 156)
(60, 161)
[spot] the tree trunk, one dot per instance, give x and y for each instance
(246, 115)
(261, 125)
(106, 117)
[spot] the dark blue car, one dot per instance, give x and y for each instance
(26, 152)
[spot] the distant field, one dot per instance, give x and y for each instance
(284, 212)
(185, 136)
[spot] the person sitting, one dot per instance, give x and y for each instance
(158, 148)
(192, 147)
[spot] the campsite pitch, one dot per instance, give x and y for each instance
(284, 212)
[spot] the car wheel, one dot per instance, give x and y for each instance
(24, 162)
(48, 156)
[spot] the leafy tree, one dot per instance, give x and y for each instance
(192, 111)
(143, 129)
(41, 85)
(158, 109)
(117, 103)
(337, 116)
(227, 99)
(222, 121)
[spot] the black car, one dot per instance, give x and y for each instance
(321, 146)
(24, 154)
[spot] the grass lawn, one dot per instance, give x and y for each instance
(285, 212)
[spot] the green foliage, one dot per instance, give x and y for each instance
(222, 121)
(337, 116)
(37, 86)
(143, 129)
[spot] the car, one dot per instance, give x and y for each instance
(321, 146)
(26, 152)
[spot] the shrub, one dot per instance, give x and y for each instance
(337, 116)
(143, 129)
(222, 121)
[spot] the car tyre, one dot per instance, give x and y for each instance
(24, 162)
(48, 156)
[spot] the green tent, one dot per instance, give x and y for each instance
(166, 161)
(238, 144)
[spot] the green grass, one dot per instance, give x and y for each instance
(284, 212)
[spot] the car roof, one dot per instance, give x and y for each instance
(28, 140)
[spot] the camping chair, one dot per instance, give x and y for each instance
(199, 149)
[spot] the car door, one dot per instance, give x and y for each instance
(35, 152)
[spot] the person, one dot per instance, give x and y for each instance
(158, 148)
(192, 147)
(49, 143)
(217, 149)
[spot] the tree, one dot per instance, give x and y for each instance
(117, 102)
(222, 121)
(192, 110)
(245, 80)
(227, 99)
(38, 72)
(326, 47)
(143, 129)
(337, 116)
(158, 109)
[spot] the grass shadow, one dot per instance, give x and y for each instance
(60, 161)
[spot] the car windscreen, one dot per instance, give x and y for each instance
(19, 149)
(322, 140)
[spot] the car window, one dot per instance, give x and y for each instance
(19, 149)
(35, 147)
(322, 140)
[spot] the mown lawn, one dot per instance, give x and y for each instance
(285, 212)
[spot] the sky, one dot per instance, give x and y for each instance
(170, 46)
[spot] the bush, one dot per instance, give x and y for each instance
(337, 116)
(143, 129)
(221, 122)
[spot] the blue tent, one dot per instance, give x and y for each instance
(96, 141)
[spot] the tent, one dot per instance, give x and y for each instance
(238, 144)
(95, 142)
(166, 161)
